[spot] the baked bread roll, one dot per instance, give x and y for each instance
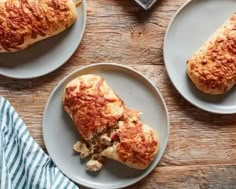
(213, 67)
(24, 22)
(92, 105)
(136, 143)
(109, 129)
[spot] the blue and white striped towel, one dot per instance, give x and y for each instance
(23, 164)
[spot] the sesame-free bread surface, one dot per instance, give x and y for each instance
(137, 143)
(108, 127)
(25, 22)
(92, 105)
(212, 68)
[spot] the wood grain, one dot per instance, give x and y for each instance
(194, 177)
(201, 152)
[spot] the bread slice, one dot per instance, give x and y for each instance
(24, 23)
(212, 68)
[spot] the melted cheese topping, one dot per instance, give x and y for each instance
(92, 105)
(109, 129)
(138, 143)
(23, 21)
(213, 67)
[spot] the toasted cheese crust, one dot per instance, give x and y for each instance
(24, 22)
(92, 105)
(213, 67)
(137, 147)
(109, 128)
(137, 143)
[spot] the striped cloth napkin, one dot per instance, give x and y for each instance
(23, 164)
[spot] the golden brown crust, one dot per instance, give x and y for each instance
(138, 143)
(110, 129)
(23, 22)
(92, 105)
(213, 67)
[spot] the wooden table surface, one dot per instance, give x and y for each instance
(201, 152)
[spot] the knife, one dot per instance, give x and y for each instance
(146, 4)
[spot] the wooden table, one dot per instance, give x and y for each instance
(201, 151)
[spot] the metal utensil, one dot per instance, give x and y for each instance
(146, 4)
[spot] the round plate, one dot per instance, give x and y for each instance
(47, 55)
(193, 24)
(60, 134)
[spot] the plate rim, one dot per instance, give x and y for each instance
(156, 91)
(84, 12)
(218, 111)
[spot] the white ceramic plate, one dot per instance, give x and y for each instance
(194, 23)
(60, 134)
(46, 55)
